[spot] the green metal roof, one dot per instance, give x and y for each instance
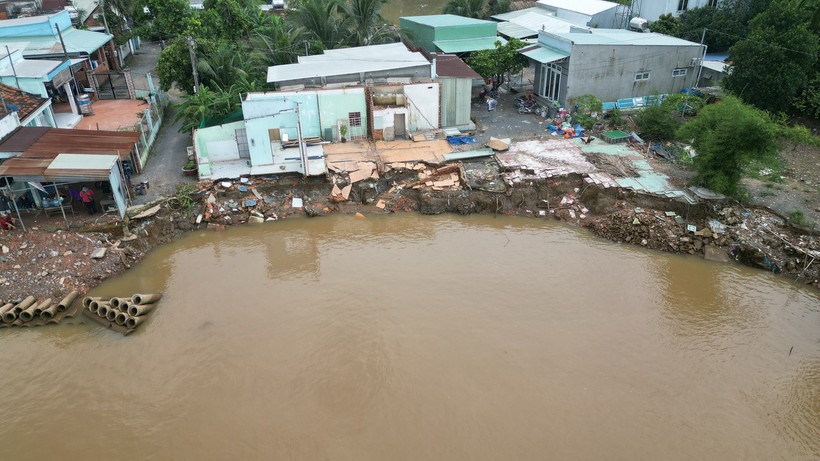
(543, 54)
(440, 20)
(463, 46)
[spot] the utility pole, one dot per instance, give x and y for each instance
(60, 34)
(697, 74)
(12, 70)
(302, 148)
(193, 64)
(105, 20)
(307, 51)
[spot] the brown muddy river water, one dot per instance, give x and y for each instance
(424, 338)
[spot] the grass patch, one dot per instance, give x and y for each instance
(798, 218)
(768, 193)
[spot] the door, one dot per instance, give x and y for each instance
(398, 125)
(550, 81)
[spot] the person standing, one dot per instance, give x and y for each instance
(87, 195)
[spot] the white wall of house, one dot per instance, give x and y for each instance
(8, 123)
(423, 105)
(653, 9)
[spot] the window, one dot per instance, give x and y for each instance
(640, 76)
(682, 5)
(678, 72)
(355, 118)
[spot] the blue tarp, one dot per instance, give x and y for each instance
(458, 140)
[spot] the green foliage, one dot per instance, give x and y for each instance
(162, 22)
(726, 136)
(666, 24)
(658, 123)
(677, 102)
(206, 103)
(616, 117)
(498, 7)
(467, 8)
(775, 63)
(497, 62)
(807, 101)
(726, 24)
(184, 196)
(798, 218)
(365, 23)
(588, 104)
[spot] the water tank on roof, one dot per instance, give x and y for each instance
(639, 24)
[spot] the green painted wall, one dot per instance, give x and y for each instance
(338, 104)
(424, 34)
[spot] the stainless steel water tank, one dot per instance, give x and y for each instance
(84, 104)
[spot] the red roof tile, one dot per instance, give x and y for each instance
(26, 103)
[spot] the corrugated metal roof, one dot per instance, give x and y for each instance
(450, 65)
(23, 138)
(543, 54)
(536, 19)
(76, 41)
(471, 44)
(717, 66)
(443, 20)
(623, 37)
(513, 30)
(36, 142)
(83, 162)
(31, 68)
(19, 166)
(345, 61)
(589, 7)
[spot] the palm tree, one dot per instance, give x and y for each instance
(321, 19)
(467, 8)
(223, 67)
(364, 20)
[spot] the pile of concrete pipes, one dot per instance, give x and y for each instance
(31, 309)
(126, 312)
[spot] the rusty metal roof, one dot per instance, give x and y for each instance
(450, 65)
(50, 142)
(23, 138)
(19, 166)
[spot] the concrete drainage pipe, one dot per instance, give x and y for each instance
(111, 314)
(146, 299)
(121, 318)
(49, 313)
(132, 322)
(88, 300)
(136, 310)
(66, 302)
(24, 304)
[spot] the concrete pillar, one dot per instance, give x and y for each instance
(71, 102)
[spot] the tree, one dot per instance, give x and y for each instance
(364, 20)
(174, 64)
(658, 123)
(726, 136)
(208, 102)
(666, 24)
(163, 18)
(500, 61)
(498, 7)
(776, 61)
(321, 20)
(467, 8)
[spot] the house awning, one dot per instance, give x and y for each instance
(467, 45)
(76, 42)
(543, 54)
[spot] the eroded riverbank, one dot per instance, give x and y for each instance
(45, 264)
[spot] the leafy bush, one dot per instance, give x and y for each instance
(726, 137)
(657, 123)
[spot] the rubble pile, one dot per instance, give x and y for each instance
(654, 229)
(47, 264)
(756, 238)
